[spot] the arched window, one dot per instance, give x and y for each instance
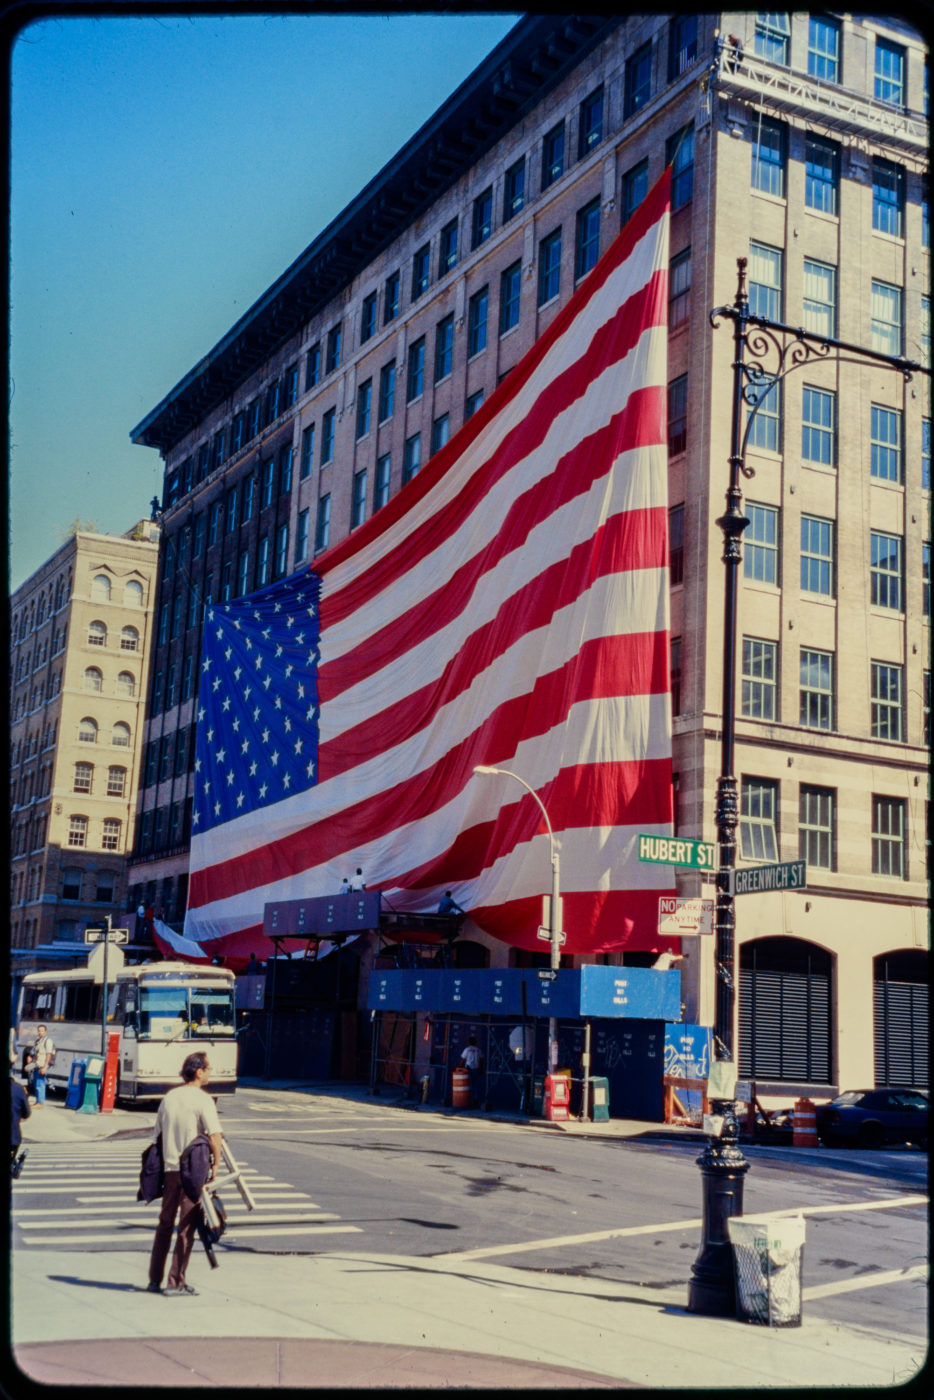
(84, 777)
(121, 735)
(126, 683)
(111, 836)
(785, 1011)
(100, 589)
(93, 680)
(116, 781)
(78, 831)
(133, 594)
(97, 634)
(129, 639)
(87, 731)
(900, 1006)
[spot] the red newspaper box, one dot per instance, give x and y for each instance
(111, 1067)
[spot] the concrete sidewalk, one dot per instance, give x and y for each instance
(350, 1318)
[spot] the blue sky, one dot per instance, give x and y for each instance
(164, 172)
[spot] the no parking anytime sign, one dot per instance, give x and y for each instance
(681, 916)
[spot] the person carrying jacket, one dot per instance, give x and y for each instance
(185, 1113)
(42, 1054)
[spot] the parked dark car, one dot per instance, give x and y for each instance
(874, 1117)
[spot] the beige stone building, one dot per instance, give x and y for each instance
(81, 634)
(797, 142)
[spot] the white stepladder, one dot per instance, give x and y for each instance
(212, 1218)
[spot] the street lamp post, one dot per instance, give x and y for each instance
(554, 930)
(723, 1165)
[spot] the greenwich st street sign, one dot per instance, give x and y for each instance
(759, 879)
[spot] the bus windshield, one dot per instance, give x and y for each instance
(183, 1012)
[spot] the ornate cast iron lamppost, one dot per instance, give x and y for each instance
(723, 1165)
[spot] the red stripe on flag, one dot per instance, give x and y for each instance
(629, 919)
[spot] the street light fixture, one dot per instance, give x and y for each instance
(553, 915)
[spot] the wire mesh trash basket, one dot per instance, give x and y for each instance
(767, 1262)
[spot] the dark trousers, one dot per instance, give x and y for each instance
(174, 1202)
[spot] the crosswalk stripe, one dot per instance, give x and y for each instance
(124, 1238)
(309, 1218)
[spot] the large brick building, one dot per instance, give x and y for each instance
(80, 646)
(796, 141)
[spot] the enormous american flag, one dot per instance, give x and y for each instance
(508, 607)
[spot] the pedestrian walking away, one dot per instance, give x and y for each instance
(470, 1059)
(19, 1105)
(43, 1057)
(185, 1114)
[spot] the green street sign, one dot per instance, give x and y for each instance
(678, 850)
(758, 879)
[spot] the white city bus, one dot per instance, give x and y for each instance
(162, 1010)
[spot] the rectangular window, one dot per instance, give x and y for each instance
(886, 324)
(817, 556)
(816, 690)
(677, 415)
(472, 403)
(679, 289)
(638, 80)
(382, 482)
(364, 407)
(333, 358)
(553, 155)
(925, 578)
(444, 348)
(760, 554)
(888, 197)
(676, 544)
(587, 240)
(358, 499)
(768, 157)
(549, 267)
(820, 297)
(682, 46)
(759, 679)
(198, 537)
(411, 457)
(313, 366)
(766, 415)
(391, 298)
(925, 454)
(440, 432)
(477, 309)
(262, 562)
(590, 125)
(773, 36)
(247, 499)
(243, 573)
(226, 587)
(273, 401)
(421, 264)
(308, 451)
(817, 826)
(482, 225)
(215, 525)
(926, 707)
(821, 174)
(77, 831)
(302, 535)
(510, 291)
(387, 391)
(765, 281)
(323, 525)
(285, 470)
(889, 832)
(889, 72)
(675, 676)
(679, 154)
(269, 483)
(282, 550)
(635, 189)
(447, 257)
(368, 317)
(819, 426)
(217, 449)
(886, 571)
(758, 820)
(416, 371)
(885, 450)
(327, 435)
(824, 49)
(886, 702)
(290, 386)
(514, 190)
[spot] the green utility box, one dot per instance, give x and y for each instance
(599, 1100)
(93, 1074)
(538, 1096)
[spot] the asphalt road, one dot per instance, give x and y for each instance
(328, 1173)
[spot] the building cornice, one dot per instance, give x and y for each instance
(535, 56)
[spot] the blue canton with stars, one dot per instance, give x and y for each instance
(257, 739)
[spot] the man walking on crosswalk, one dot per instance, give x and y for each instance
(184, 1114)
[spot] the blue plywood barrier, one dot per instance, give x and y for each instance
(611, 992)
